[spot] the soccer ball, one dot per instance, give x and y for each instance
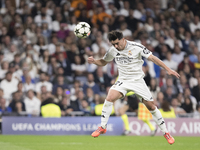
(82, 30)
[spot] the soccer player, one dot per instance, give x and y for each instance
(128, 57)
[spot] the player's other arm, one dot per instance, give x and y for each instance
(160, 63)
(98, 62)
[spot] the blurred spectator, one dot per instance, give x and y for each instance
(179, 23)
(52, 45)
(9, 85)
(195, 24)
(154, 88)
(176, 106)
(9, 55)
(76, 104)
(147, 77)
(186, 61)
(49, 109)
(160, 99)
(169, 83)
(41, 45)
(169, 62)
(187, 105)
(196, 90)
(65, 64)
(99, 43)
(187, 71)
(162, 78)
(98, 16)
(125, 31)
(75, 89)
(63, 32)
(45, 31)
(187, 93)
(197, 112)
(112, 69)
(183, 84)
(44, 60)
(197, 38)
(52, 68)
(194, 56)
(32, 104)
(193, 81)
(149, 25)
(43, 82)
(197, 64)
(43, 17)
(90, 96)
(65, 107)
(78, 68)
(3, 108)
(20, 89)
(178, 55)
(139, 12)
(17, 105)
(166, 110)
(1, 93)
(31, 33)
(60, 83)
(90, 83)
(154, 70)
(58, 95)
(4, 69)
(28, 85)
(85, 107)
(169, 94)
(102, 79)
(73, 51)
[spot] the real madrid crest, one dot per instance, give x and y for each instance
(129, 53)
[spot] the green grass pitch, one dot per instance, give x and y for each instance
(28, 142)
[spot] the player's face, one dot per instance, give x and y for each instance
(119, 44)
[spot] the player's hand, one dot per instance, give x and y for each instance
(91, 60)
(174, 73)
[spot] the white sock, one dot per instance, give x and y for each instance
(159, 120)
(106, 111)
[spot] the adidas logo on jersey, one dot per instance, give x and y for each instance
(118, 54)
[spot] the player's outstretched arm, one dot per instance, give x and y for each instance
(98, 62)
(160, 63)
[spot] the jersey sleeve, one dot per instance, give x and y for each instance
(110, 55)
(144, 51)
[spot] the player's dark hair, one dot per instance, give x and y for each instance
(113, 35)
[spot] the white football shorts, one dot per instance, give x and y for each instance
(139, 87)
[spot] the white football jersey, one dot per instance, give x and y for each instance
(129, 61)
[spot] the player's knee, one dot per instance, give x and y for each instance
(110, 99)
(152, 108)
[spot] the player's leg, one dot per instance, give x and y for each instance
(157, 116)
(142, 91)
(112, 96)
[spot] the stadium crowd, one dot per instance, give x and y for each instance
(42, 61)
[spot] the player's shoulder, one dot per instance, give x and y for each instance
(135, 44)
(111, 49)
